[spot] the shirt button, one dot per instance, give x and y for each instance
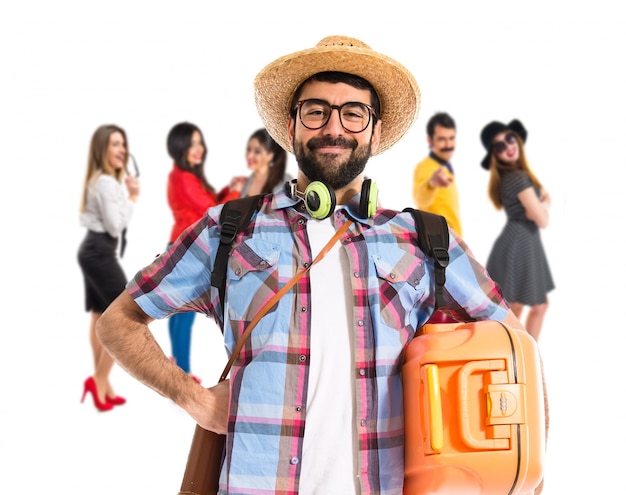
(238, 271)
(302, 357)
(306, 265)
(362, 372)
(301, 221)
(363, 422)
(392, 275)
(303, 309)
(298, 409)
(357, 274)
(360, 323)
(294, 460)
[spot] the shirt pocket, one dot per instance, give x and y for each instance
(402, 283)
(252, 278)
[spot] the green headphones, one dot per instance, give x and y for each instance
(320, 201)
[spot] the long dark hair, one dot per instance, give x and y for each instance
(279, 162)
(178, 144)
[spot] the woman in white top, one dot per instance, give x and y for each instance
(105, 212)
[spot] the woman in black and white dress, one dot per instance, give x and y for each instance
(517, 260)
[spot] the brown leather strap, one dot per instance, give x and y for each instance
(269, 304)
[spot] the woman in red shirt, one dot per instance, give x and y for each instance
(189, 195)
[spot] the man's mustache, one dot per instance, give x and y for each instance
(329, 141)
(445, 150)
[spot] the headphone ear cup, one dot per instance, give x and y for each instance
(319, 200)
(369, 199)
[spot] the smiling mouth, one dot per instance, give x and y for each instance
(332, 149)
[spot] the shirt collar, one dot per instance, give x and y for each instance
(448, 165)
(283, 200)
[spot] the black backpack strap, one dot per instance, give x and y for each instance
(235, 215)
(433, 238)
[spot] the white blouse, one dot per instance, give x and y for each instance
(108, 207)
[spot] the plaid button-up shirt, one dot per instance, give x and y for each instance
(393, 294)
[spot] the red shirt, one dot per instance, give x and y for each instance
(188, 200)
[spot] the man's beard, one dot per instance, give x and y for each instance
(322, 168)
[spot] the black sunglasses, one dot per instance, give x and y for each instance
(500, 146)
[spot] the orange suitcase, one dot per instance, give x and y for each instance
(474, 411)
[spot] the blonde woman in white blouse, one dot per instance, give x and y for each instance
(109, 196)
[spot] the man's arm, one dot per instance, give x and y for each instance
(124, 332)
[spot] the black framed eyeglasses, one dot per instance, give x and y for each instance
(353, 115)
(500, 146)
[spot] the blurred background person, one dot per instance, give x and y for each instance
(517, 260)
(105, 211)
(268, 163)
(434, 187)
(189, 195)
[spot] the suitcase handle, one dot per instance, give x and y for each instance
(464, 401)
(435, 416)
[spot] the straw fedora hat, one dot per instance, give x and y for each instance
(397, 89)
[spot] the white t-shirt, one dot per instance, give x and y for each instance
(330, 439)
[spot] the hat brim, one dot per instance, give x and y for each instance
(491, 130)
(396, 87)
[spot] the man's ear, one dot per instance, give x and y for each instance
(291, 129)
(376, 136)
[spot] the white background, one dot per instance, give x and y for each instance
(67, 67)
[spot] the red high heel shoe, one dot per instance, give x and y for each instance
(90, 386)
(118, 400)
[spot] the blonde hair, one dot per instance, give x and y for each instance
(498, 167)
(97, 162)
